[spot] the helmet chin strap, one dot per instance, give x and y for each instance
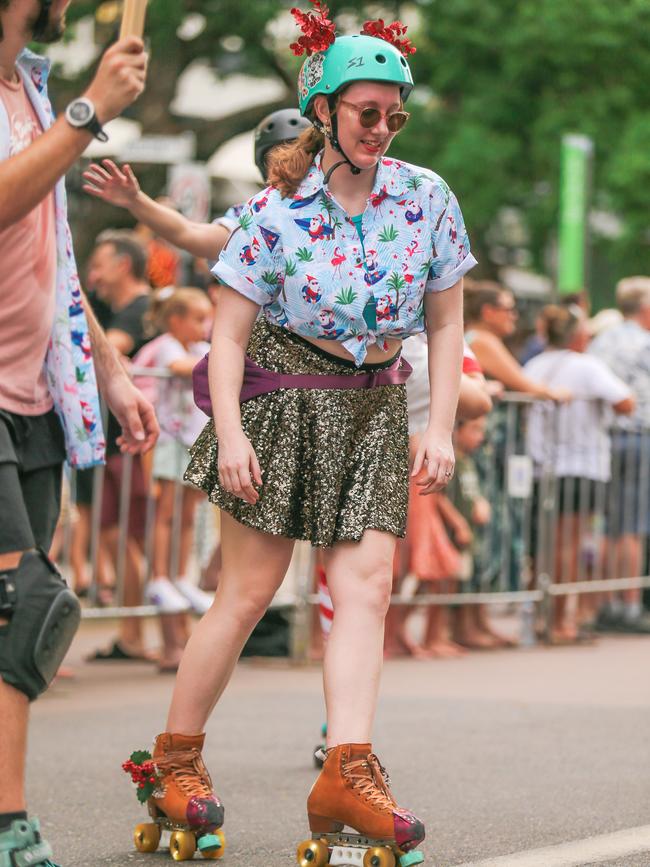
(332, 136)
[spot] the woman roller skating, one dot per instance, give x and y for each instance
(309, 438)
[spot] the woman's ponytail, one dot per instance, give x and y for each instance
(289, 163)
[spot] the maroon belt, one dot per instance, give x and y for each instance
(258, 380)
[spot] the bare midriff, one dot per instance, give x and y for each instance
(375, 355)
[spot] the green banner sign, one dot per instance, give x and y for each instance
(577, 151)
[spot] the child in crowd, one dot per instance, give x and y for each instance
(473, 628)
(435, 532)
(184, 318)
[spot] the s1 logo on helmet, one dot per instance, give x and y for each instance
(356, 61)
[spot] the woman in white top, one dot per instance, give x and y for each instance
(570, 444)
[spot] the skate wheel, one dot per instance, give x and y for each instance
(319, 761)
(312, 853)
(182, 845)
(379, 856)
(146, 837)
(214, 851)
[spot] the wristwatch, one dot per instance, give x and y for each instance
(81, 115)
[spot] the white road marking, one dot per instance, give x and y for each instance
(592, 850)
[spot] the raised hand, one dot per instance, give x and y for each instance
(120, 78)
(115, 185)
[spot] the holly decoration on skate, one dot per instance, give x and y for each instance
(143, 773)
(319, 32)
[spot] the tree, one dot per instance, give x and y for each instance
(503, 80)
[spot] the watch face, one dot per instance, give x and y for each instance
(80, 112)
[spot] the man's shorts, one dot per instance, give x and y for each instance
(629, 492)
(114, 477)
(32, 452)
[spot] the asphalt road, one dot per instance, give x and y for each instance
(499, 752)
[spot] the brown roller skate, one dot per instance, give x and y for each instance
(353, 790)
(178, 791)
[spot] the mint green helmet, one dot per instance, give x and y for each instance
(349, 59)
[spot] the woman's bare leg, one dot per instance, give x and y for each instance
(359, 575)
(254, 565)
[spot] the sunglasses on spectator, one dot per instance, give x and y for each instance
(369, 117)
(509, 308)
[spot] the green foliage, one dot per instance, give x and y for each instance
(498, 82)
(346, 296)
(139, 757)
(303, 254)
(388, 234)
(507, 78)
(290, 268)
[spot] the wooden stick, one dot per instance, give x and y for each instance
(133, 18)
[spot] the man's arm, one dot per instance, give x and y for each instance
(107, 363)
(25, 179)
(134, 413)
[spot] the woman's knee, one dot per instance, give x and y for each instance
(368, 590)
(378, 588)
(247, 605)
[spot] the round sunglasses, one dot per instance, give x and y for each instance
(369, 117)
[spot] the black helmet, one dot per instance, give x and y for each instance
(275, 128)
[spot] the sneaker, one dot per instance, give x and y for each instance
(162, 593)
(198, 599)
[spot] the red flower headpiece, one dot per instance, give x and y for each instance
(392, 33)
(319, 32)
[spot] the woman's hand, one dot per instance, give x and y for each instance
(435, 459)
(108, 182)
(239, 469)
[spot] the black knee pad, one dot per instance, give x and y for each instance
(43, 616)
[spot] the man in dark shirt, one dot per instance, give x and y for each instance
(117, 274)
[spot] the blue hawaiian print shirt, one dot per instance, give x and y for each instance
(302, 260)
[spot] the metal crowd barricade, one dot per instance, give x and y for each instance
(206, 536)
(556, 528)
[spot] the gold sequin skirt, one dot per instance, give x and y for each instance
(334, 461)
